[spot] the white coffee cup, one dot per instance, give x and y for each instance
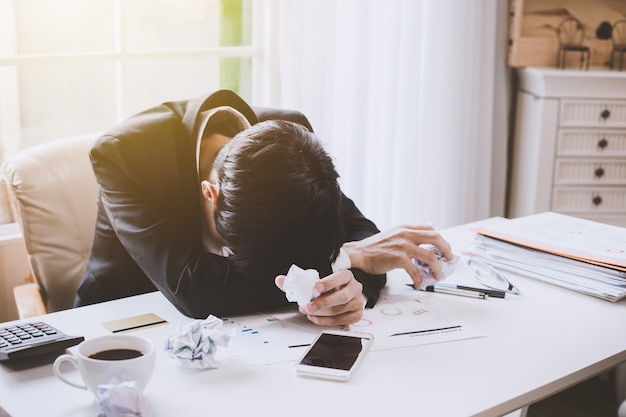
(97, 371)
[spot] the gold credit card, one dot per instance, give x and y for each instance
(133, 323)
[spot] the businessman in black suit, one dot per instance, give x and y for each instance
(151, 230)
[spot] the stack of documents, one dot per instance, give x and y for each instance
(574, 253)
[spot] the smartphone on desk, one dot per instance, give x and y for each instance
(334, 354)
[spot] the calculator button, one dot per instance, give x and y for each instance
(31, 339)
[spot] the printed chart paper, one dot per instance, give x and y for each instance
(397, 321)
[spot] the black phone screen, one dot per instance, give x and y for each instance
(334, 351)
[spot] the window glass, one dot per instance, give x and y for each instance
(69, 99)
(236, 75)
(63, 26)
(150, 82)
(171, 24)
(78, 66)
(236, 23)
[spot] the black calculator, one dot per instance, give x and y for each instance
(35, 338)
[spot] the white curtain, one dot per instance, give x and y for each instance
(408, 95)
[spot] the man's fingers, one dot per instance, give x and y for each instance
(280, 281)
(336, 302)
(341, 300)
(334, 281)
(336, 290)
(413, 272)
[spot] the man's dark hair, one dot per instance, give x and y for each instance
(279, 201)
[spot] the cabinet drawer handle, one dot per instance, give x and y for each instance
(597, 200)
(599, 172)
(602, 143)
(605, 114)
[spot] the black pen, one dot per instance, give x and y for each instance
(455, 291)
(298, 346)
(490, 293)
(426, 331)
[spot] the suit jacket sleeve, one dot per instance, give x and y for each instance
(358, 227)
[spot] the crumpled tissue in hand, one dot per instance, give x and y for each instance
(447, 268)
(299, 285)
(123, 399)
(193, 345)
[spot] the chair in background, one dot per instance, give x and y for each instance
(571, 35)
(52, 190)
(618, 38)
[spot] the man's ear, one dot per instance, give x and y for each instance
(210, 191)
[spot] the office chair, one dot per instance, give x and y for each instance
(571, 35)
(52, 191)
(618, 39)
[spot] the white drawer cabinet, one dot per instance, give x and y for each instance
(569, 150)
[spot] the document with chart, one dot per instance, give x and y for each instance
(397, 321)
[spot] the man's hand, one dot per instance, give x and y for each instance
(395, 248)
(340, 302)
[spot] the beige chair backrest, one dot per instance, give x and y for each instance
(53, 192)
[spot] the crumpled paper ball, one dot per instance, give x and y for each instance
(447, 268)
(299, 285)
(194, 345)
(123, 399)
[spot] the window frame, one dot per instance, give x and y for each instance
(10, 109)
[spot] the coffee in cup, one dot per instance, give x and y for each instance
(109, 359)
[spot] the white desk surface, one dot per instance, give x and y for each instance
(536, 344)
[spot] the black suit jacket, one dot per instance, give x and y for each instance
(148, 228)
